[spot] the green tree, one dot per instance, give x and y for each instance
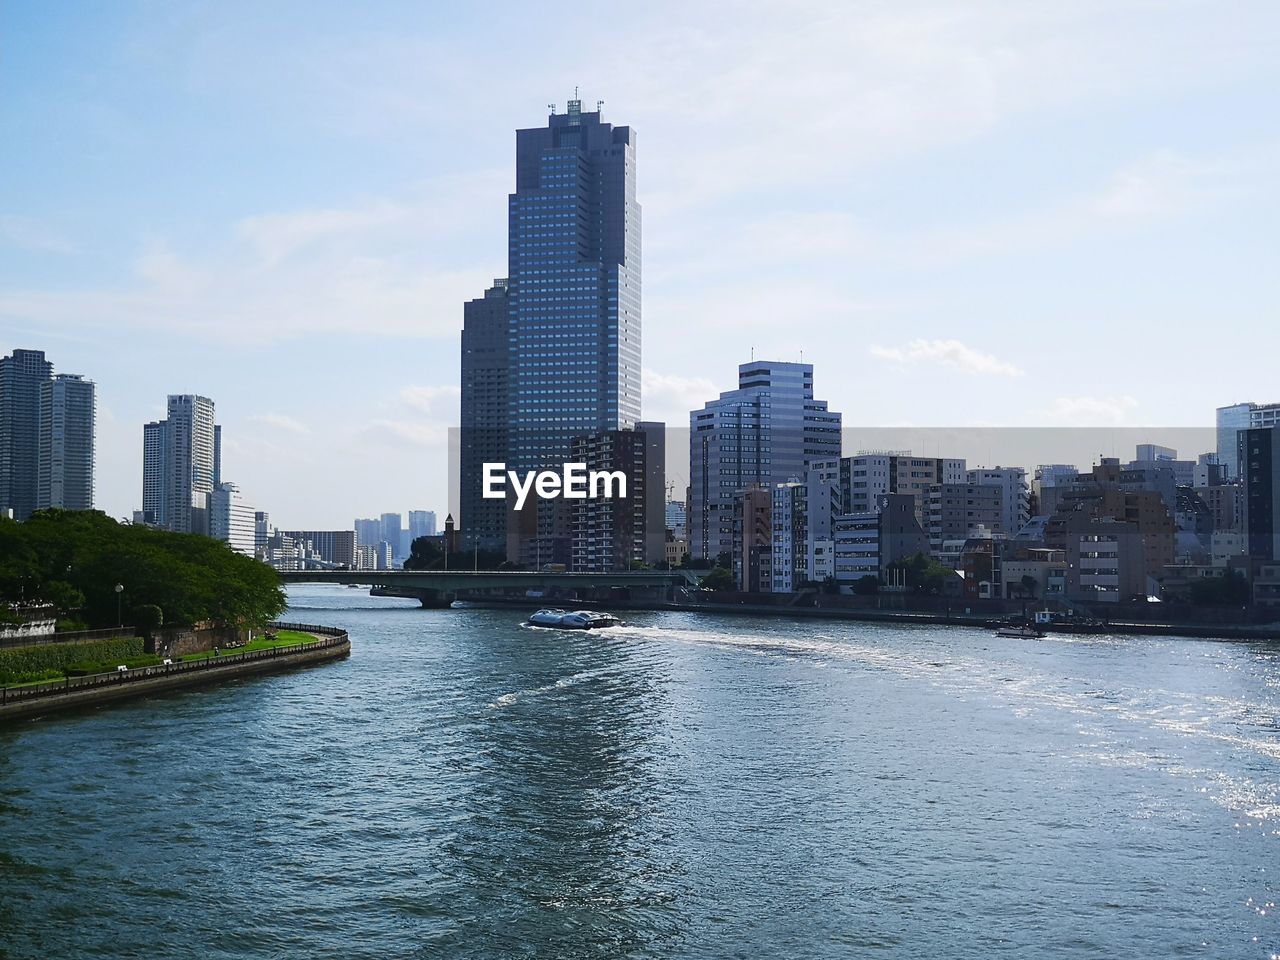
(718, 579)
(76, 558)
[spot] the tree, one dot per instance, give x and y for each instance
(75, 559)
(923, 574)
(1230, 589)
(1029, 585)
(718, 579)
(427, 553)
(866, 586)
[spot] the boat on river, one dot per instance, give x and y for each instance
(1020, 632)
(573, 620)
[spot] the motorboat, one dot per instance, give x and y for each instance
(1020, 632)
(573, 620)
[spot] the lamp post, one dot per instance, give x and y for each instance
(119, 615)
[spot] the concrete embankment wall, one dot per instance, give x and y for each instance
(88, 692)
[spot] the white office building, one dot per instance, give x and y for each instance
(231, 520)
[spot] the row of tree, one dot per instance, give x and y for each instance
(75, 559)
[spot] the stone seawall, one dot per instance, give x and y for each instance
(91, 692)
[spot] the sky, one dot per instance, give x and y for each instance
(977, 214)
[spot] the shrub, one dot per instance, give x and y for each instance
(21, 664)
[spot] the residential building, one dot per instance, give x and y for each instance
(1029, 572)
(617, 533)
(482, 437)
(1259, 459)
(1237, 417)
(1015, 495)
(909, 474)
(763, 433)
(22, 376)
(864, 479)
(231, 519)
(788, 527)
(65, 460)
(753, 540)
(180, 461)
(901, 536)
(958, 511)
(675, 551)
(262, 530)
(856, 548)
(155, 472)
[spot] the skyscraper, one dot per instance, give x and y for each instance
(22, 375)
(179, 463)
(66, 443)
(486, 367)
(569, 309)
(573, 274)
(422, 523)
(764, 433)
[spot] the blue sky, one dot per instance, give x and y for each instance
(971, 214)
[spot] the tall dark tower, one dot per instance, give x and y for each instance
(486, 367)
(574, 277)
(22, 375)
(571, 306)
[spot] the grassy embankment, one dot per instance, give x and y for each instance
(25, 666)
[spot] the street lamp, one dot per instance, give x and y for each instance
(119, 615)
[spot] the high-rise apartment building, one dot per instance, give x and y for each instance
(155, 453)
(763, 433)
(422, 523)
(65, 461)
(22, 375)
(180, 459)
(613, 534)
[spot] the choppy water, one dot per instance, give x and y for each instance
(687, 786)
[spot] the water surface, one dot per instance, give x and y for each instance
(686, 786)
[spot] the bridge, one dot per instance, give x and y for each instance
(438, 588)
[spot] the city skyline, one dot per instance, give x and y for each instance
(1100, 187)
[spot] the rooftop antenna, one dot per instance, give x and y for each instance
(599, 105)
(551, 107)
(575, 91)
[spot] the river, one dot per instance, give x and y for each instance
(685, 786)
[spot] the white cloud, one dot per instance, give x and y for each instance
(950, 353)
(427, 399)
(31, 234)
(669, 398)
(1091, 411)
(281, 421)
